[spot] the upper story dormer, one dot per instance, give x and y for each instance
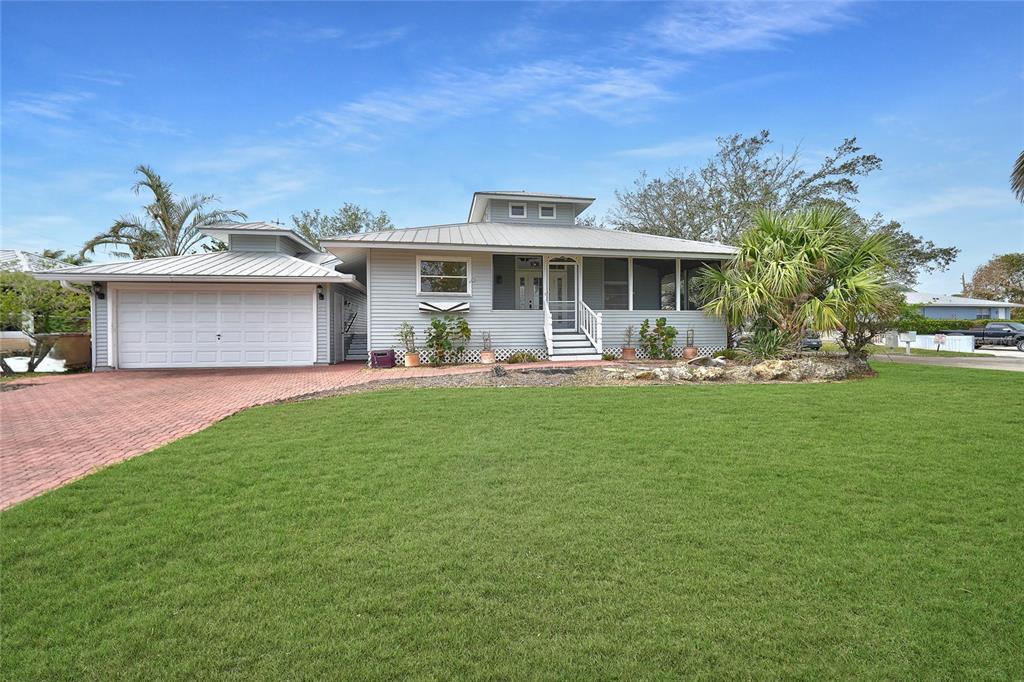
(526, 207)
(262, 238)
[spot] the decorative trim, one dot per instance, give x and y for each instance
(677, 351)
(444, 307)
(472, 355)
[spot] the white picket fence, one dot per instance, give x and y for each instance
(959, 344)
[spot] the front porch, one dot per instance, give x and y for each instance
(588, 302)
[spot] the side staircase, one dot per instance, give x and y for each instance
(356, 348)
(570, 345)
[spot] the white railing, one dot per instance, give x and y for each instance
(548, 340)
(592, 326)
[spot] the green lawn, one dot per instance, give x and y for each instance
(867, 530)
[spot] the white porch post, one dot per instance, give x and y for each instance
(678, 269)
(629, 268)
(544, 281)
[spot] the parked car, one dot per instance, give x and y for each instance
(994, 334)
(811, 341)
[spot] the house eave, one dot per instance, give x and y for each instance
(346, 279)
(341, 247)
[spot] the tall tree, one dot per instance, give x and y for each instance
(715, 202)
(909, 255)
(349, 219)
(1000, 279)
(170, 224)
(65, 257)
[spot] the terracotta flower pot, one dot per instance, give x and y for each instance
(690, 352)
(412, 359)
(487, 357)
(629, 353)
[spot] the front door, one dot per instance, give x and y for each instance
(562, 293)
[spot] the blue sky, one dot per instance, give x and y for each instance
(411, 107)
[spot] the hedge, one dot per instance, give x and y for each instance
(929, 326)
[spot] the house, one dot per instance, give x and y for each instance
(13, 339)
(520, 268)
(942, 307)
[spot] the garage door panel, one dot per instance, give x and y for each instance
(181, 328)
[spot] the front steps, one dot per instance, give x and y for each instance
(356, 348)
(572, 346)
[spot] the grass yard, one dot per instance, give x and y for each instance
(868, 530)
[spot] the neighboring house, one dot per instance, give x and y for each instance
(11, 260)
(519, 267)
(942, 307)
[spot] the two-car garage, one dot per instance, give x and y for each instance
(213, 326)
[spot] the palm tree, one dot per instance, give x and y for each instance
(170, 227)
(1017, 178)
(798, 270)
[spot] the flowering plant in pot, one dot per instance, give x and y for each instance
(407, 335)
(628, 349)
(487, 354)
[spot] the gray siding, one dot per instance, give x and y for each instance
(393, 300)
(101, 330)
(497, 212)
(707, 331)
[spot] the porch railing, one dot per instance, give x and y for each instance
(548, 340)
(592, 325)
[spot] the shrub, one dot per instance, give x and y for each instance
(727, 354)
(627, 337)
(657, 342)
(767, 344)
(407, 335)
(446, 339)
(522, 356)
(924, 325)
(608, 356)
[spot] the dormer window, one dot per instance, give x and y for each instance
(517, 210)
(546, 211)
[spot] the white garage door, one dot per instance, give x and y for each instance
(238, 327)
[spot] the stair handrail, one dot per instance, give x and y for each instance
(592, 325)
(548, 331)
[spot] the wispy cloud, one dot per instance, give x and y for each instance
(954, 199)
(303, 32)
(55, 106)
(701, 28)
(674, 148)
(548, 88)
(103, 77)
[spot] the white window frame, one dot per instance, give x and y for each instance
(445, 259)
(511, 204)
(540, 212)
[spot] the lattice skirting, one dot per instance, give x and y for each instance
(677, 351)
(472, 355)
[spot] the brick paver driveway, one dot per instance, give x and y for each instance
(59, 428)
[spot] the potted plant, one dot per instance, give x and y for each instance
(407, 335)
(487, 354)
(628, 349)
(690, 350)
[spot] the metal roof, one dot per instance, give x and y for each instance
(221, 230)
(520, 237)
(12, 260)
(219, 266)
(920, 298)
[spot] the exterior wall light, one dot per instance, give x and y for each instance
(320, 292)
